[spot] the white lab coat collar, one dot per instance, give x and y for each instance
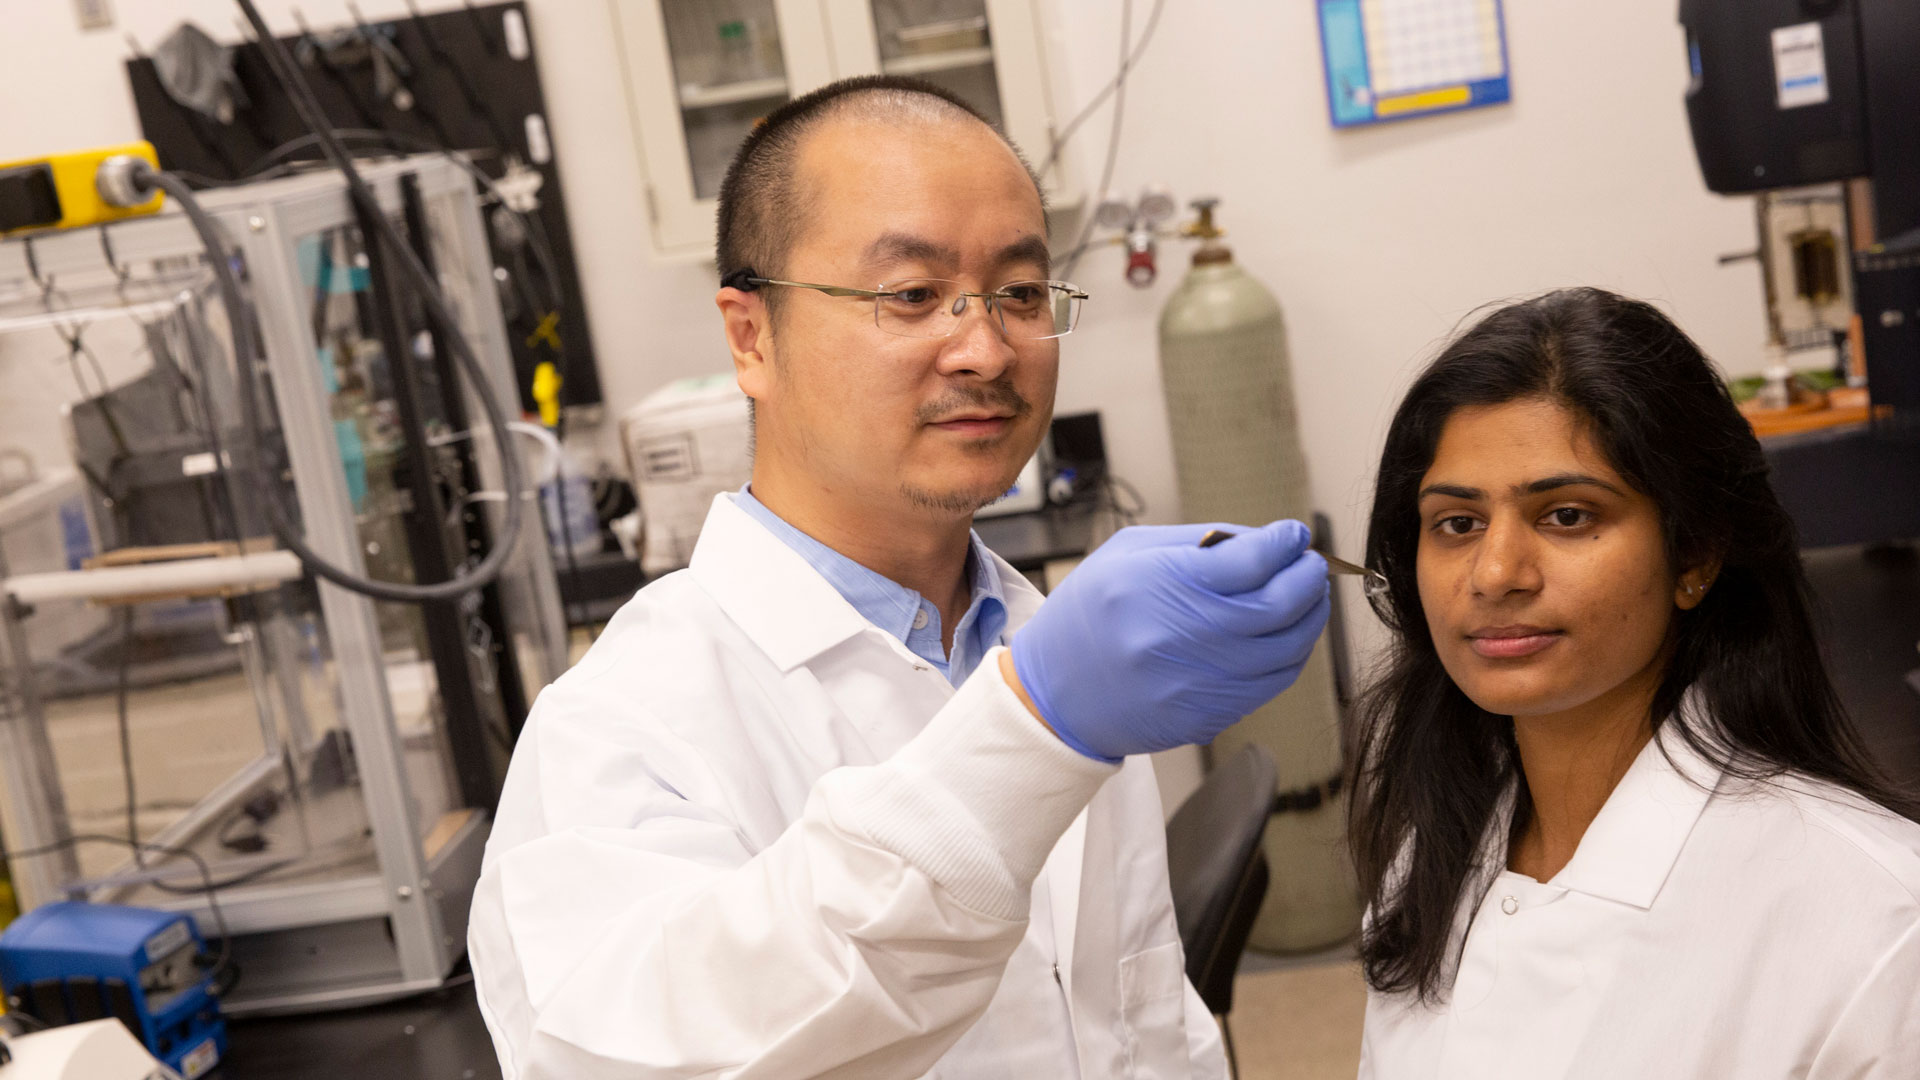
(765, 587)
(1632, 845)
(782, 603)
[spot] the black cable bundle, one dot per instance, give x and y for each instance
(247, 351)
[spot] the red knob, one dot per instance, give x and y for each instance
(1140, 268)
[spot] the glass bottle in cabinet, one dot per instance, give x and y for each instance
(728, 72)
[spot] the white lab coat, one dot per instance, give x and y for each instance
(751, 835)
(1763, 931)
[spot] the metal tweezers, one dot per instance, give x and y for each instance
(1375, 582)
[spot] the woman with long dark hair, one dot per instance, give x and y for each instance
(1610, 817)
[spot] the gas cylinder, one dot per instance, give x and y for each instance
(1237, 454)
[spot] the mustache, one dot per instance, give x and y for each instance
(998, 396)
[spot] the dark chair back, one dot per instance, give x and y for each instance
(1218, 872)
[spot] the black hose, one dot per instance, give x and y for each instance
(399, 142)
(287, 73)
(247, 354)
(126, 736)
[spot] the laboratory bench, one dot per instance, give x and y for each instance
(436, 1036)
(1030, 541)
(592, 587)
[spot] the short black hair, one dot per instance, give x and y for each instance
(760, 210)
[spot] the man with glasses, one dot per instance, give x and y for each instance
(799, 812)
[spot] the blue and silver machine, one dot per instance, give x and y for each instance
(68, 962)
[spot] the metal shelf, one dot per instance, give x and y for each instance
(705, 97)
(940, 61)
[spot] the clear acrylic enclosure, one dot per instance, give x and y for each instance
(168, 676)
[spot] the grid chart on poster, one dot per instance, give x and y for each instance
(1416, 44)
(1392, 59)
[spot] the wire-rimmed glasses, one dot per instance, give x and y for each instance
(933, 307)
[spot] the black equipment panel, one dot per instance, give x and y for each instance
(1890, 47)
(465, 90)
(1887, 295)
(1744, 140)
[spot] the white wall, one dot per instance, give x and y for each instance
(1377, 241)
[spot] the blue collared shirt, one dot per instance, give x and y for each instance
(898, 610)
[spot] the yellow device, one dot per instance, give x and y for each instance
(64, 191)
(546, 392)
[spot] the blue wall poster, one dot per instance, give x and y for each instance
(1396, 59)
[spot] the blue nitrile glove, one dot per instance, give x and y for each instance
(1155, 642)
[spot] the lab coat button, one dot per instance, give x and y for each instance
(1509, 905)
(920, 619)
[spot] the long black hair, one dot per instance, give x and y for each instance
(1432, 766)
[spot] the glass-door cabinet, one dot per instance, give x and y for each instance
(701, 73)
